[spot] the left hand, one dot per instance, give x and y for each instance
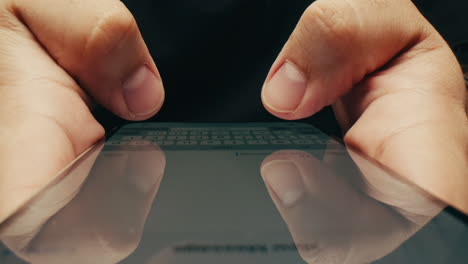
(395, 85)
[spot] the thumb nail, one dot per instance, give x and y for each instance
(285, 180)
(143, 92)
(283, 93)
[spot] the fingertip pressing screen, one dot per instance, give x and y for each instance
(230, 193)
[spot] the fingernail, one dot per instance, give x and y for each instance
(144, 170)
(143, 92)
(285, 180)
(143, 180)
(285, 90)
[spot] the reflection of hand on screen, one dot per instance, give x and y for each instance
(338, 215)
(102, 223)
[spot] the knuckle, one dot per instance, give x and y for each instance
(9, 21)
(108, 30)
(332, 19)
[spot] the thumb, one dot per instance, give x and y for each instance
(404, 97)
(334, 46)
(99, 44)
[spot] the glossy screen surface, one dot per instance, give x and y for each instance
(230, 193)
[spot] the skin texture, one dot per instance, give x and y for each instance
(396, 87)
(45, 90)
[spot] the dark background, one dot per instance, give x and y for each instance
(213, 55)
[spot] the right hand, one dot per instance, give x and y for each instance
(56, 59)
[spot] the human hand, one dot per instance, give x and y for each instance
(395, 85)
(56, 59)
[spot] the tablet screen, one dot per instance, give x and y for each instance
(230, 193)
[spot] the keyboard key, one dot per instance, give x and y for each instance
(211, 142)
(154, 138)
(257, 142)
(243, 137)
(189, 128)
(307, 132)
(187, 143)
(248, 128)
(117, 143)
(140, 143)
(285, 132)
(242, 132)
(220, 137)
(178, 133)
(261, 132)
(199, 137)
(280, 142)
(308, 136)
(129, 133)
(286, 137)
(265, 137)
(177, 137)
(199, 133)
(164, 142)
(303, 141)
(234, 142)
(220, 133)
(132, 138)
(157, 133)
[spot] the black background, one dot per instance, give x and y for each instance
(214, 55)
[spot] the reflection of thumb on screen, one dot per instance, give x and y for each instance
(330, 219)
(285, 181)
(146, 169)
(165, 256)
(20, 229)
(105, 219)
(314, 203)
